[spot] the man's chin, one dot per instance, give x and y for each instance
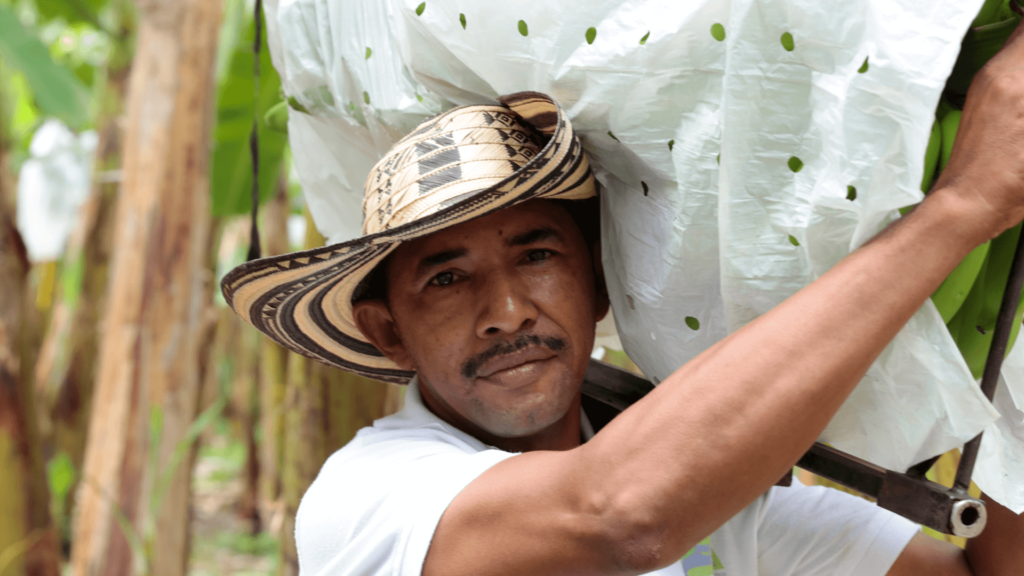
(522, 411)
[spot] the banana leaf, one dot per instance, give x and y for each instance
(231, 167)
(55, 89)
(72, 11)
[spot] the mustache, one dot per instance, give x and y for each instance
(472, 366)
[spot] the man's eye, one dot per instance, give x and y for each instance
(443, 279)
(539, 255)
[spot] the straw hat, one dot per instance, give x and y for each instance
(456, 166)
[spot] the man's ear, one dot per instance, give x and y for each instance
(374, 320)
(602, 303)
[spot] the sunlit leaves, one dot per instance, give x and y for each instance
(231, 166)
(56, 91)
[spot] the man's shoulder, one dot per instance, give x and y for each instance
(369, 495)
(376, 456)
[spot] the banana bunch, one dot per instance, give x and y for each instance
(970, 297)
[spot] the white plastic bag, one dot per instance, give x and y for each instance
(52, 184)
(691, 114)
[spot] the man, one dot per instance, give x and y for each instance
(479, 284)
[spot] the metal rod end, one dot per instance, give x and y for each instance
(968, 518)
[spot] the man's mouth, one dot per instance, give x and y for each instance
(512, 362)
(503, 355)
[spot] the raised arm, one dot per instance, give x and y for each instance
(721, 430)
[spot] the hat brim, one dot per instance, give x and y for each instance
(303, 300)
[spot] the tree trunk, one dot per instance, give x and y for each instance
(66, 369)
(245, 412)
(273, 365)
(135, 496)
(325, 407)
(27, 539)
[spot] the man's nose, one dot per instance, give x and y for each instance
(506, 307)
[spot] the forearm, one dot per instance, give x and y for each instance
(999, 550)
(726, 426)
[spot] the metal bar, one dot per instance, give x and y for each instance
(844, 469)
(614, 386)
(947, 510)
(996, 353)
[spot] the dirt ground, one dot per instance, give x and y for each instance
(221, 541)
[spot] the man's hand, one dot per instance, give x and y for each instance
(987, 164)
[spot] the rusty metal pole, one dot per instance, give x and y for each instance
(994, 362)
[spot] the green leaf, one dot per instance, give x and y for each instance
(421, 8)
(591, 34)
(644, 185)
(863, 67)
(851, 193)
(644, 39)
(54, 88)
(231, 165)
(793, 240)
(523, 29)
(60, 475)
(368, 52)
(693, 323)
(671, 143)
(72, 11)
(795, 164)
(462, 20)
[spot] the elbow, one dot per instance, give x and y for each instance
(635, 538)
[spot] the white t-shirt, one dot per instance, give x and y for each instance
(374, 506)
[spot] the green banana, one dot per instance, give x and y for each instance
(989, 13)
(931, 157)
(974, 324)
(954, 289)
(974, 343)
(954, 326)
(948, 124)
(1000, 258)
(979, 45)
(969, 339)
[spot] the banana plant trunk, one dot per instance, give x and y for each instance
(133, 511)
(273, 364)
(27, 538)
(66, 369)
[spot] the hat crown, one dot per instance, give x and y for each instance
(445, 159)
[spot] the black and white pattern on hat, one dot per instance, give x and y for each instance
(440, 161)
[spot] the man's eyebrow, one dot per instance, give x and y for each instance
(428, 262)
(535, 235)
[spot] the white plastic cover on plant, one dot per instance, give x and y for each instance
(743, 148)
(52, 184)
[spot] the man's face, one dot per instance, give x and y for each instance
(497, 317)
